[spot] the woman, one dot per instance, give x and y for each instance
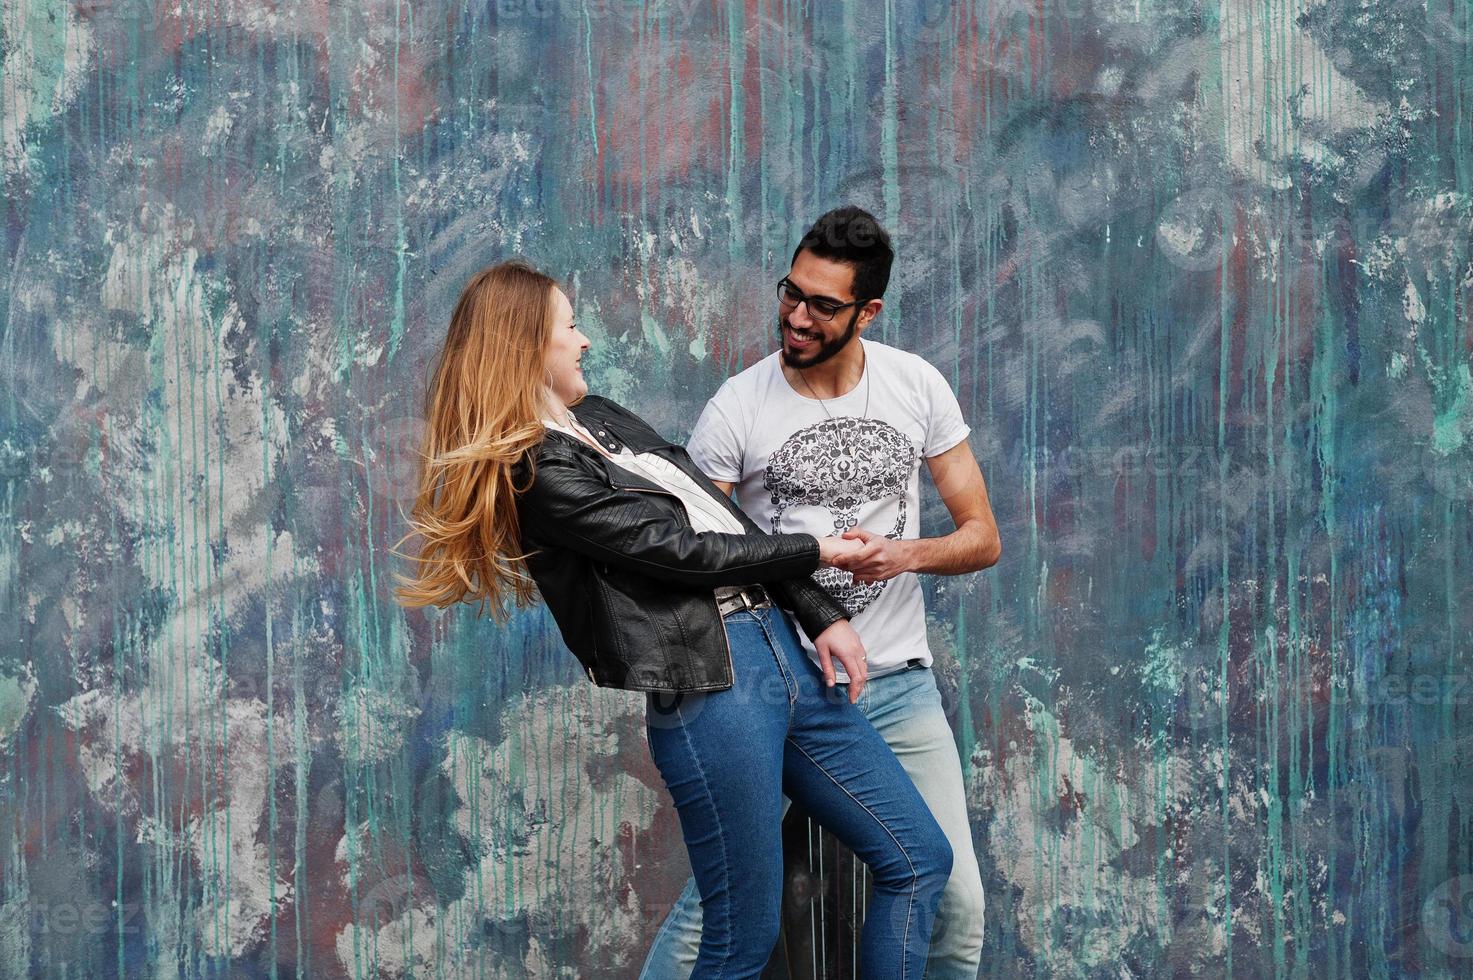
(659, 583)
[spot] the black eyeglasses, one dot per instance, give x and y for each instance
(820, 309)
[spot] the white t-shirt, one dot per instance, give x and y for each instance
(797, 467)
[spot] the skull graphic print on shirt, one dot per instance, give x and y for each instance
(840, 465)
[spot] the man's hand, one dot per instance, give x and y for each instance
(833, 551)
(841, 642)
(973, 545)
(879, 558)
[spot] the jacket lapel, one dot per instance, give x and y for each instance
(640, 438)
(629, 429)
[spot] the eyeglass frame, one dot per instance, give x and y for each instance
(785, 284)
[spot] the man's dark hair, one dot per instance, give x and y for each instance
(852, 236)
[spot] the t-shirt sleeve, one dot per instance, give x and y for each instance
(946, 427)
(715, 443)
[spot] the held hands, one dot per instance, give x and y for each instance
(832, 550)
(840, 642)
(868, 556)
(876, 559)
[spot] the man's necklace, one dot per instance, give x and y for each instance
(843, 442)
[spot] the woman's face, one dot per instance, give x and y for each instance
(565, 348)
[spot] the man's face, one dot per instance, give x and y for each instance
(807, 341)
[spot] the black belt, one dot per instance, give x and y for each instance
(749, 597)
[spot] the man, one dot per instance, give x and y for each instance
(826, 436)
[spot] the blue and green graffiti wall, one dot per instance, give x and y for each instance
(1198, 271)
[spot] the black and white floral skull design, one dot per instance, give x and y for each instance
(840, 465)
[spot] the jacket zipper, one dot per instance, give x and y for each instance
(726, 640)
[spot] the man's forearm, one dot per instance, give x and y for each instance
(971, 547)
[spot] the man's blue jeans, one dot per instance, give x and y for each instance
(726, 757)
(905, 708)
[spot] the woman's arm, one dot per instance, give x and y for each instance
(813, 608)
(568, 506)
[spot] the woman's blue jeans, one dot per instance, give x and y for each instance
(729, 756)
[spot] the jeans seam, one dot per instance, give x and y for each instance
(720, 832)
(790, 683)
(910, 902)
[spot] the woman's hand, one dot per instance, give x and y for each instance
(841, 642)
(831, 548)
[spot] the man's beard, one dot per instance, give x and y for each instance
(825, 350)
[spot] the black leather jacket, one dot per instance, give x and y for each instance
(628, 580)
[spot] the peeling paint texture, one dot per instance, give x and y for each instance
(1199, 273)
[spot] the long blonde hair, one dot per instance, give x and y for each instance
(483, 412)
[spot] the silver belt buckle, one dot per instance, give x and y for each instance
(743, 600)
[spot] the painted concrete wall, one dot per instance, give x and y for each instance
(1199, 273)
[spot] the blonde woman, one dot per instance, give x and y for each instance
(659, 583)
